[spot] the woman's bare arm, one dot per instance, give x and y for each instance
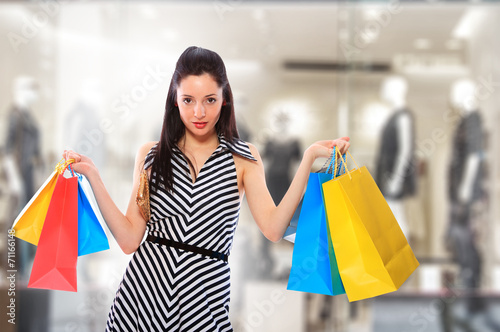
(271, 219)
(128, 229)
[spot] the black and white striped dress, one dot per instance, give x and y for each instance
(169, 289)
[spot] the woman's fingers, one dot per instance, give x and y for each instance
(69, 154)
(342, 144)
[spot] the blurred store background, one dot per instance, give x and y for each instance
(413, 83)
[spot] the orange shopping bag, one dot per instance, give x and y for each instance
(29, 223)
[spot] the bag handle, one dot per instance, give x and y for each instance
(342, 157)
(72, 173)
(328, 166)
(61, 166)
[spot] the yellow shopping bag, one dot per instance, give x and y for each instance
(29, 223)
(372, 252)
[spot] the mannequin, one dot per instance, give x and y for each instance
(395, 173)
(23, 157)
(280, 152)
(463, 99)
(465, 188)
(22, 146)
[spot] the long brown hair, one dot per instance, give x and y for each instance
(193, 61)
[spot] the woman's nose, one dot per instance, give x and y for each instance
(199, 111)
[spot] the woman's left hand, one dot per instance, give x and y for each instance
(324, 149)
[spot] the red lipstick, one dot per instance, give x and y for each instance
(200, 125)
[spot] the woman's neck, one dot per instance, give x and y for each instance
(191, 142)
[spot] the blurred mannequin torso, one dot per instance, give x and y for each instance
(464, 186)
(395, 165)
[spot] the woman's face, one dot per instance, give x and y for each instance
(200, 100)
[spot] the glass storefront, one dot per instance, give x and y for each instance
(414, 84)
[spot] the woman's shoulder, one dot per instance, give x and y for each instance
(148, 146)
(247, 151)
(239, 148)
(253, 149)
(145, 149)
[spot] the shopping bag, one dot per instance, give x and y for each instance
(54, 266)
(91, 236)
(291, 230)
(29, 223)
(373, 255)
(314, 268)
(87, 189)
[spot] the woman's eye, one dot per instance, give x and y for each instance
(211, 100)
(186, 100)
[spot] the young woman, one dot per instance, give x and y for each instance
(178, 279)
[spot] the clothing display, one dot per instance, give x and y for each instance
(279, 156)
(387, 158)
(170, 289)
(468, 139)
(23, 142)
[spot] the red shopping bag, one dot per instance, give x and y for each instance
(55, 261)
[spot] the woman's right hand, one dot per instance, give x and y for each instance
(324, 149)
(82, 164)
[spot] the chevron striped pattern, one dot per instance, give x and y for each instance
(169, 289)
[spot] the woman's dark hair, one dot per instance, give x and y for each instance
(193, 61)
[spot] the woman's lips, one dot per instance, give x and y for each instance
(200, 125)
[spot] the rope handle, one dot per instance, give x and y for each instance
(71, 169)
(345, 164)
(330, 163)
(61, 166)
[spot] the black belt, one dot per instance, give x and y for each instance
(188, 247)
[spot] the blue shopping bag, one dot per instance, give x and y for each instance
(91, 235)
(314, 266)
(291, 230)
